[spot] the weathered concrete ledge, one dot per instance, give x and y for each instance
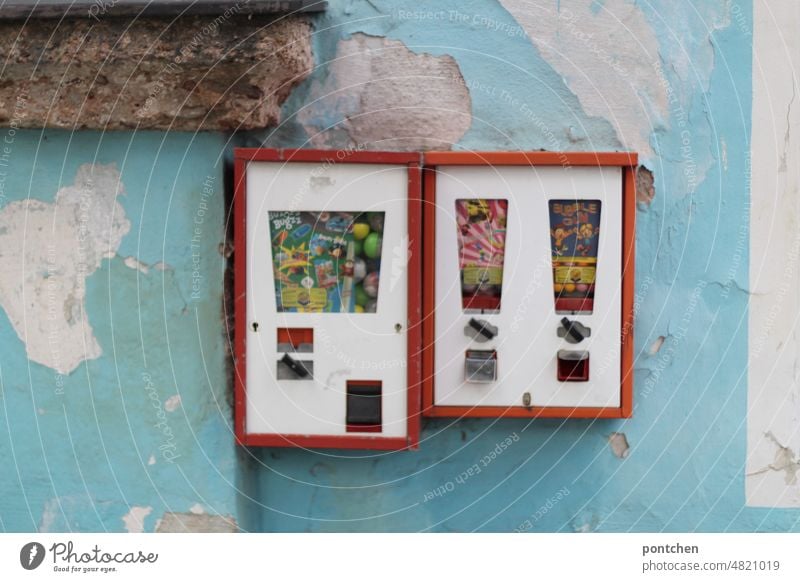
(223, 72)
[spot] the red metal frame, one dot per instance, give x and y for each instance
(627, 161)
(414, 328)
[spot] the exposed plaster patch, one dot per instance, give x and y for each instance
(228, 72)
(161, 266)
(619, 444)
(611, 59)
(52, 508)
(645, 186)
(784, 462)
(172, 403)
(152, 460)
(606, 59)
(47, 250)
(656, 345)
(382, 95)
(197, 509)
(134, 519)
(723, 147)
(194, 523)
(134, 263)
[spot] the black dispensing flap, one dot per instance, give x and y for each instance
(364, 403)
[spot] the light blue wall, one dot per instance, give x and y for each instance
(77, 458)
(83, 456)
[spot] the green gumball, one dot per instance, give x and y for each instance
(372, 245)
(358, 246)
(361, 296)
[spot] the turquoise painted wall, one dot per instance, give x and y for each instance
(79, 460)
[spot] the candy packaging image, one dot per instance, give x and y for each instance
(326, 261)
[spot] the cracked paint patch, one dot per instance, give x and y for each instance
(656, 345)
(619, 444)
(47, 250)
(613, 61)
(134, 519)
(196, 523)
(136, 264)
(645, 187)
(172, 403)
(379, 94)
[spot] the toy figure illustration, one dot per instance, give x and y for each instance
(317, 259)
(586, 234)
(574, 234)
(559, 235)
(481, 224)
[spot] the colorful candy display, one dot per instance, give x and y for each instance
(481, 249)
(326, 261)
(574, 236)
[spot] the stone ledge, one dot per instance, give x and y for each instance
(195, 73)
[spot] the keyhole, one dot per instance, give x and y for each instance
(255, 326)
(398, 328)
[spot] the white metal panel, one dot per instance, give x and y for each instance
(357, 346)
(527, 342)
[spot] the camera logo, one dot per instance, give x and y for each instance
(31, 555)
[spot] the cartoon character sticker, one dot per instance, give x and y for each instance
(313, 260)
(481, 226)
(574, 238)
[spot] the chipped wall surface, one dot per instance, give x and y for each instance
(225, 71)
(773, 427)
(113, 376)
(671, 80)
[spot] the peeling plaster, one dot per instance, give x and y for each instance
(134, 519)
(172, 403)
(47, 250)
(656, 345)
(785, 462)
(379, 94)
(613, 60)
(645, 187)
(619, 444)
(136, 264)
(196, 523)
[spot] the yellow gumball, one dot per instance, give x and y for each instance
(360, 230)
(359, 309)
(558, 287)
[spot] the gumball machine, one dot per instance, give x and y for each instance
(327, 277)
(528, 285)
